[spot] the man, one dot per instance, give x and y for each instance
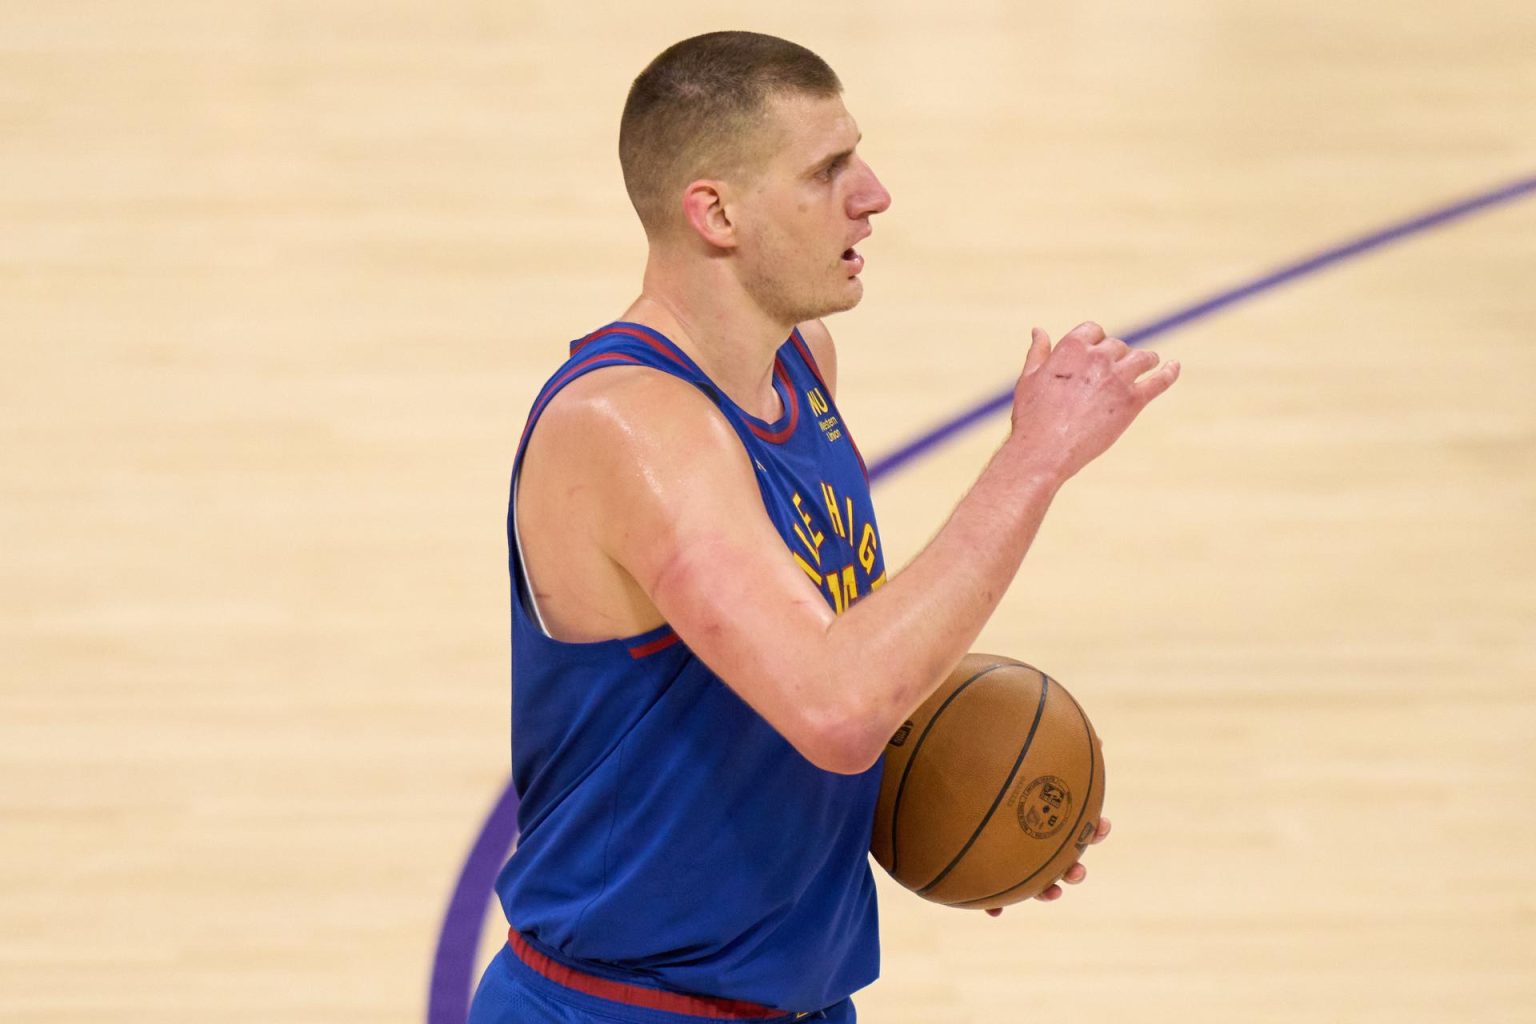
(708, 655)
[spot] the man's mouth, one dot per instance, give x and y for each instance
(852, 260)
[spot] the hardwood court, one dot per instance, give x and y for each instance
(278, 281)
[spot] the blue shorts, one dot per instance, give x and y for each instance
(512, 992)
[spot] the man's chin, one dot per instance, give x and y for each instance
(844, 302)
(839, 300)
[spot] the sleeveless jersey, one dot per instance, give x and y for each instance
(669, 836)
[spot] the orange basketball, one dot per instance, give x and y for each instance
(992, 789)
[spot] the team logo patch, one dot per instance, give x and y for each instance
(823, 412)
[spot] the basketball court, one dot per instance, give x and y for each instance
(279, 281)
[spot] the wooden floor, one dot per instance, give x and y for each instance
(278, 281)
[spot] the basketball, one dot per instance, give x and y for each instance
(991, 790)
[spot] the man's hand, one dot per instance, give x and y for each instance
(1076, 398)
(1075, 874)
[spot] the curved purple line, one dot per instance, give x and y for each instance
(935, 435)
(453, 967)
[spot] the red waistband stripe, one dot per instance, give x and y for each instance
(708, 1007)
(661, 643)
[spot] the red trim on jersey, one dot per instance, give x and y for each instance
(659, 346)
(661, 643)
(630, 332)
(779, 437)
(805, 353)
(857, 454)
(810, 360)
(771, 436)
(577, 345)
(708, 1007)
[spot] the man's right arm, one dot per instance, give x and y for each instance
(688, 525)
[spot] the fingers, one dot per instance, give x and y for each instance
(1075, 874)
(1116, 348)
(1155, 384)
(1130, 364)
(1086, 333)
(1135, 362)
(1100, 833)
(1039, 350)
(1090, 337)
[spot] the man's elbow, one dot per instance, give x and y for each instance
(844, 741)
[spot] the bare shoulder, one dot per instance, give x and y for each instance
(615, 466)
(629, 406)
(627, 425)
(823, 351)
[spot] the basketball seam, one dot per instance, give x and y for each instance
(1034, 727)
(1093, 769)
(906, 770)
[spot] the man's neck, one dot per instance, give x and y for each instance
(709, 317)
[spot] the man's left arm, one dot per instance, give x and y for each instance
(819, 340)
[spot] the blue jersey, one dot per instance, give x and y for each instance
(669, 836)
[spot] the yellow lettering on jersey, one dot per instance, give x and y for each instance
(814, 549)
(876, 583)
(835, 588)
(868, 545)
(812, 541)
(818, 401)
(830, 497)
(844, 588)
(807, 568)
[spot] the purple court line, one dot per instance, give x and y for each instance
(453, 966)
(936, 435)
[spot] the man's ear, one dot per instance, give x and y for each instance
(704, 206)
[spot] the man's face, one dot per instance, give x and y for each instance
(800, 217)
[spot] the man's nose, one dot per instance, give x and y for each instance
(870, 197)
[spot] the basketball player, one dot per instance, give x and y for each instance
(708, 652)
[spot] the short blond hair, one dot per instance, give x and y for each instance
(694, 111)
